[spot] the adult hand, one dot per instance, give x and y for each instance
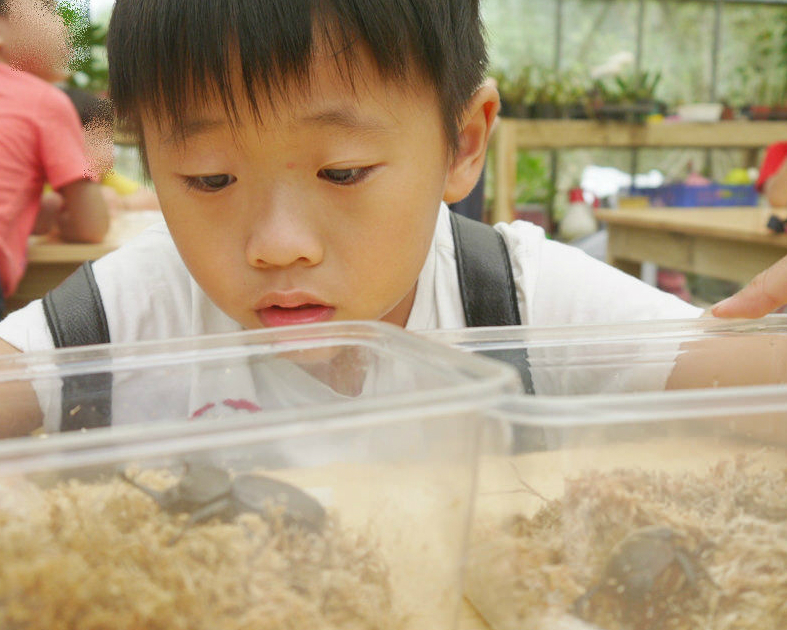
(764, 294)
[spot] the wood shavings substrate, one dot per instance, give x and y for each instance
(94, 556)
(733, 518)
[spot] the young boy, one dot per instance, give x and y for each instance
(41, 140)
(303, 154)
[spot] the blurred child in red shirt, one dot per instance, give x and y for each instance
(41, 141)
(772, 181)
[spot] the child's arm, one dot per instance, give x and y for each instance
(51, 205)
(20, 413)
(84, 217)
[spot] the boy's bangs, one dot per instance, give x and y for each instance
(170, 57)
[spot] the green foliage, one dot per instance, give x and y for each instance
(677, 41)
(88, 64)
(535, 85)
(630, 88)
(542, 92)
(761, 74)
(517, 89)
(534, 183)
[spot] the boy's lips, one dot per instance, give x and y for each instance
(288, 309)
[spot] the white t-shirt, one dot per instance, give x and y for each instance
(148, 294)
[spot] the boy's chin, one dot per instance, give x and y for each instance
(342, 368)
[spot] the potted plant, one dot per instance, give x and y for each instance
(631, 97)
(762, 73)
(547, 95)
(516, 92)
(534, 189)
(577, 95)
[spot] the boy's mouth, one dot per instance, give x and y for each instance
(292, 310)
(303, 314)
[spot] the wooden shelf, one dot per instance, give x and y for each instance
(513, 134)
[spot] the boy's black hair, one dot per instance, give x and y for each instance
(165, 55)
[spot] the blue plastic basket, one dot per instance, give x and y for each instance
(684, 196)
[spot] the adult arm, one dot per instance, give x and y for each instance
(575, 289)
(764, 294)
(730, 361)
(748, 360)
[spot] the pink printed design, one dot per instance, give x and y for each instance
(202, 410)
(241, 404)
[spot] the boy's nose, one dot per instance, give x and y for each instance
(282, 236)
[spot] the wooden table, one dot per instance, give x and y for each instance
(728, 243)
(51, 260)
(513, 133)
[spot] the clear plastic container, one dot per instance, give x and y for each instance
(353, 366)
(636, 356)
(370, 532)
(662, 510)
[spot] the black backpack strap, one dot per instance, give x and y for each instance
(75, 315)
(485, 277)
(486, 283)
(75, 312)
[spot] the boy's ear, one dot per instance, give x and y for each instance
(468, 162)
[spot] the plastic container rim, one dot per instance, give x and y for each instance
(645, 407)
(505, 337)
(142, 441)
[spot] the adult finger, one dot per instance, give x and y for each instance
(764, 294)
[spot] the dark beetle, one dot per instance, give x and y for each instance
(642, 557)
(205, 491)
(636, 569)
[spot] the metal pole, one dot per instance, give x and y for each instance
(637, 69)
(714, 68)
(640, 35)
(714, 71)
(763, 2)
(558, 61)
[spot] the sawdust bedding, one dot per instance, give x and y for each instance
(98, 556)
(732, 521)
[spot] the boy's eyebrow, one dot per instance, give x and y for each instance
(193, 127)
(345, 118)
(342, 117)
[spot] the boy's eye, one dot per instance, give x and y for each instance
(345, 176)
(210, 183)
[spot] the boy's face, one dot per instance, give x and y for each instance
(325, 212)
(34, 38)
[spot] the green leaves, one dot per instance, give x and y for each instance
(88, 41)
